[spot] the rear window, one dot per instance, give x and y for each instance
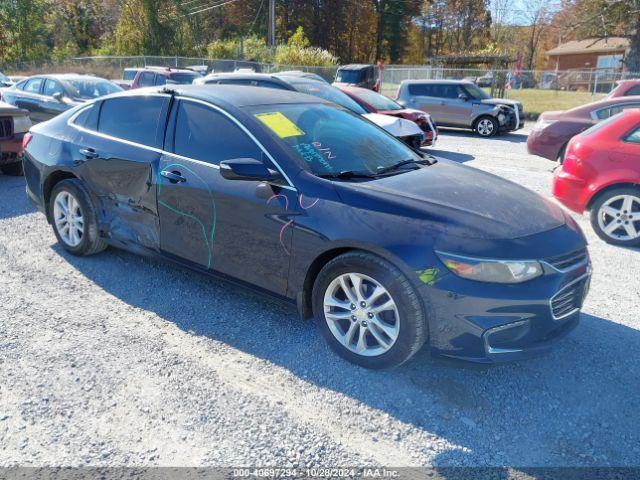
(635, 90)
(183, 78)
(350, 76)
(138, 119)
(634, 136)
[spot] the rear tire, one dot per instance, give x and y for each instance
(615, 216)
(382, 334)
(13, 169)
(486, 126)
(74, 218)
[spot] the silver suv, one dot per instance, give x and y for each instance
(462, 104)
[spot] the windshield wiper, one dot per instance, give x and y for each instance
(396, 166)
(346, 174)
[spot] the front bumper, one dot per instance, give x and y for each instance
(491, 323)
(512, 121)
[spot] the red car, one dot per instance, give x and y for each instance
(601, 173)
(374, 102)
(552, 132)
(625, 88)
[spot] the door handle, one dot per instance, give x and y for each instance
(88, 152)
(173, 177)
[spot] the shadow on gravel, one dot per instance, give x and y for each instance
(511, 137)
(13, 188)
(577, 406)
(454, 156)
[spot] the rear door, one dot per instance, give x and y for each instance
(429, 97)
(30, 97)
(118, 151)
(235, 227)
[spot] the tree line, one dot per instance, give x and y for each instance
(311, 31)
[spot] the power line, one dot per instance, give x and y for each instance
(211, 7)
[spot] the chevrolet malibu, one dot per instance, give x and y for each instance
(385, 247)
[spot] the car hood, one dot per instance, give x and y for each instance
(457, 200)
(501, 101)
(398, 127)
(408, 113)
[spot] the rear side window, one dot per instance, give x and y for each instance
(424, 90)
(146, 79)
(634, 136)
(88, 118)
(33, 85)
(635, 90)
(160, 80)
(138, 119)
(205, 134)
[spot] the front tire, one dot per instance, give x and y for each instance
(486, 126)
(615, 216)
(74, 218)
(368, 311)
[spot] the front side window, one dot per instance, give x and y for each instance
(138, 119)
(33, 85)
(51, 87)
(328, 140)
(146, 79)
(204, 134)
(327, 92)
(476, 92)
(129, 74)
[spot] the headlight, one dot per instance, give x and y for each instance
(488, 270)
(21, 124)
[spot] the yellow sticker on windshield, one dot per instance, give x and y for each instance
(281, 125)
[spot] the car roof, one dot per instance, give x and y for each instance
(440, 82)
(242, 76)
(166, 70)
(234, 95)
(67, 76)
(355, 66)
(607, 102)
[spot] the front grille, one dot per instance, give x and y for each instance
(568, 260)
(569, 299)
(6, 127)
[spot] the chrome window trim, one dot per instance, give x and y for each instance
(70, 122)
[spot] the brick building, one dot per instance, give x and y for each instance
(588, 54)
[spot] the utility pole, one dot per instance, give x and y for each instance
(272, 23)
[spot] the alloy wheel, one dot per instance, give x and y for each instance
(361, 314)
(68, 219)
(619, 217)
(485, 127)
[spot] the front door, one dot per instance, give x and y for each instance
(235, 227)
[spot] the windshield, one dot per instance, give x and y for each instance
(348, 76)
(476, 92)
(183, 78)
(3, 77)
(89, 88)
(328, 140)
(377, 101)
(330, 93)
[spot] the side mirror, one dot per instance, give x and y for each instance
(247, 169)
(58, 96)
(463, 97)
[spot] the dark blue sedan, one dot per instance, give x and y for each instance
(384, 246)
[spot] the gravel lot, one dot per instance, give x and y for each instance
(117, 360)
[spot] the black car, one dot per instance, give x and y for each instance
(385, 247)
(45, 96)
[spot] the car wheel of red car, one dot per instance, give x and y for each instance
(615, 216)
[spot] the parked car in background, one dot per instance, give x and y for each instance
(403, 129)
(202, 70)
(625, 88)
(485, 81)
(359, 75)
(294, 195)
(375, 102)
(45, 96)
(14, 124)
(553, 130)
(153, 76)
(601, 173)
(461, 104)
(5, 81)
